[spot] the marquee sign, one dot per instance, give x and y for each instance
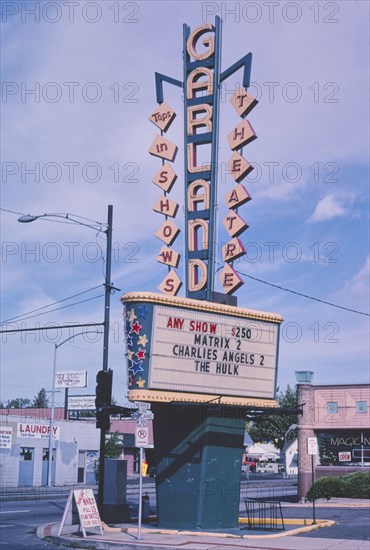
(201, 91)
(180, 349)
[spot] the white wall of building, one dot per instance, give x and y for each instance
(78, 440)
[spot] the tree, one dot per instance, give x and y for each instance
(18, 403)
(113, 445)
(274, 427)
(40, 401)
(113, 448)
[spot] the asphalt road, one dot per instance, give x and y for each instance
(19, 520)
(350, 523)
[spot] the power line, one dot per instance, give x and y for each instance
(304, 295)
(63, 307)
(49, 305)
(37, 329)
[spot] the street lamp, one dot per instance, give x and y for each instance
(52, 412)
(108, 288)
(291, 428)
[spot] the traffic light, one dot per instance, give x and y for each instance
(103, 398)
(103, 392)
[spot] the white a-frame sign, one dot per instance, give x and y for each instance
(87, 510)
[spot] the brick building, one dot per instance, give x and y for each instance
(339, 417)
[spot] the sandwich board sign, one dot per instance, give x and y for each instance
(88, 512)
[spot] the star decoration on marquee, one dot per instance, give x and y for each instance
(131, 315)
(136, 345)
(136, 327)
(136, 367)
(129, 341)
(142, 340)
(143, 311)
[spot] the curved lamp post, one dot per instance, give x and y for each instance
(108, 285)
(108, 288)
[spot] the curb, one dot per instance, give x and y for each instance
(46, 532)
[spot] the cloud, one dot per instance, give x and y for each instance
(331, 206)
(358, 286)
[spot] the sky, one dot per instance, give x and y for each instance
(77, 90)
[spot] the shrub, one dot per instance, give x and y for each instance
(355, 485)
(326, 487)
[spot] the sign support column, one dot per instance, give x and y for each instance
(313, 451)
(141, 441)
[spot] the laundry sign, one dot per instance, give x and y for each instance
(36, 431)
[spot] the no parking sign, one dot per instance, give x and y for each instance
(141, 436)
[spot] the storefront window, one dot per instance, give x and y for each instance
(26, 453)
(344, 447)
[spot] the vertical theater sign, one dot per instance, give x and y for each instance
(201, 92)
(199, 357)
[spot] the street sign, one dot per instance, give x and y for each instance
(143, 414)
(81, 403)
(141, 436)
(312, 448)
(71, 379)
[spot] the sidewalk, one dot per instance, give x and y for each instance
(124, 536)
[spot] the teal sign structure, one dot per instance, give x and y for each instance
(200, 360)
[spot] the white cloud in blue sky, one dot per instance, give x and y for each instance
(86, 128)
(332, 206)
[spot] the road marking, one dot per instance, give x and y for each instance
(14, 511)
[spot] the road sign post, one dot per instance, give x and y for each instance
(312, 450)
(141, 441)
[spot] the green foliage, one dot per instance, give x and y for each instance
(274, 427)
(113, 445)
(113, 448)
(18, 403)
(355, 485)
(326, 487)
(40, 401)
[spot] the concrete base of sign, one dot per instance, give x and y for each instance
(198, 455)
(116, 513)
